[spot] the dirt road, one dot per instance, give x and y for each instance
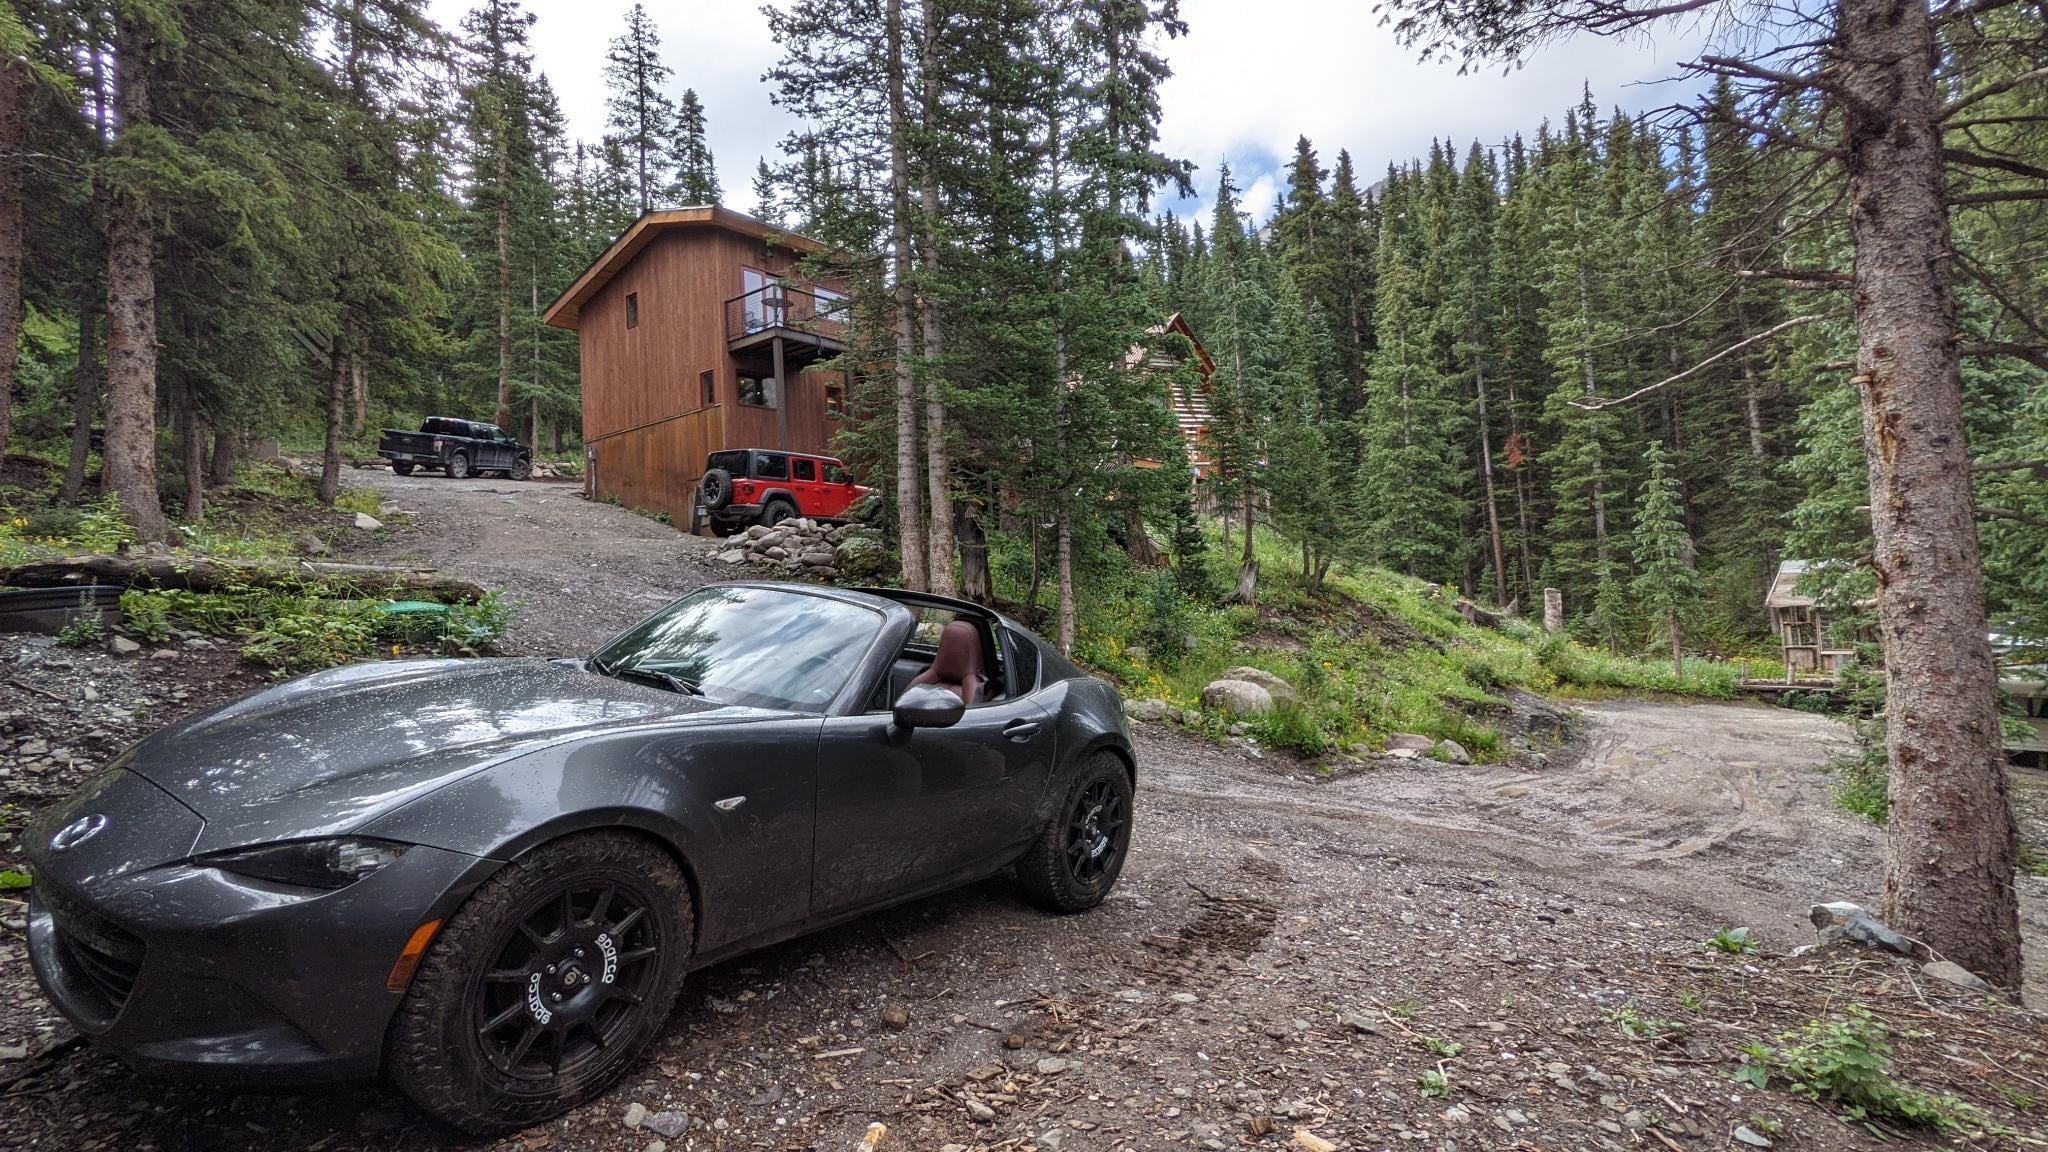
(1504, 957)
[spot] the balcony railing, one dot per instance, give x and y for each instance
(786, 306)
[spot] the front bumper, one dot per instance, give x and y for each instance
(193, 972)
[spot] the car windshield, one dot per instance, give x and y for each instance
(761, 647)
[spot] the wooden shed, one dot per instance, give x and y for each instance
(697, 334)
(1802, 626)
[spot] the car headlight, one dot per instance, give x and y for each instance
(309, 863)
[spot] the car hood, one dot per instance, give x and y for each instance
(321, 754)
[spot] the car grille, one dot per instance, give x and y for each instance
(105, 957)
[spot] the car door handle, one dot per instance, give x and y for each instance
(1020, 730)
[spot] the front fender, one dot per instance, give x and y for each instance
(749, 864)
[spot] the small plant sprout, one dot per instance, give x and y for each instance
(1438, 1046)
(1734, 941)
(1637, 1026)
(1692, 1001)
(1434, 1083)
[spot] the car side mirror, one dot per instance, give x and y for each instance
(928, 706)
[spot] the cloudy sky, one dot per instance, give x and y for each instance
(1250, 76)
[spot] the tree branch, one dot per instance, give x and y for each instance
(2001, 163)
(2037, 467)
(1597, 403)
(2005, 197)
(2034, 354)
(1986, 512)
(1990, 90)
(1816, 277)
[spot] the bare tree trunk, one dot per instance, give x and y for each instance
(1065, 558)
(337, 400)
(1950, 849)
(909, 501)
(974, 578)
(1500, 569)
(225, 448)
(192, 436)
(13, 90)
(1247, 590)
(1752, 414)
(130, 456)
(1677, 648)
(359, 394)
(85, 385)
(938, 470)
(504, 417)
(1138, 543)
(533, 291)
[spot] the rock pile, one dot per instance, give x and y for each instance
(805, 547)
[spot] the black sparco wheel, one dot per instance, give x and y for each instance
(1078, 856)
(401, 467)
(543, 989)
(458, 466)
(716, 488)
(522, 468)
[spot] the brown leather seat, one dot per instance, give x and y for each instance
(957, 667)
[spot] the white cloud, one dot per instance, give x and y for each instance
(1248, 79)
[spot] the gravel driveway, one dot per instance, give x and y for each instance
(1496, 957)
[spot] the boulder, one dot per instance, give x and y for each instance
(756, 531)
(1153, 710)
(1137, 654)
(1275, 687)
(367, 522)
(1841, 920)
(734, 556)
(1950, 972)
(1237, 698)
(309, 544)
(776, 553)
(1412, 741)
(1450, 752)
(1405, 753)
(821, 559)
(123, 646)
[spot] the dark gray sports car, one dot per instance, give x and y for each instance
(488, 877)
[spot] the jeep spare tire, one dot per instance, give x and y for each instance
(716, 488)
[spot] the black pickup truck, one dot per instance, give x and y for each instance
(458, 447)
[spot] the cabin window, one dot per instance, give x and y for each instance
(771, 466)
(757, 391)
(835, 401)
(805, 469)
(632, 309)
(708, 383)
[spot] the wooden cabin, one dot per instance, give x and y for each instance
(1190, 406)
(1802, 626)
(696, 335)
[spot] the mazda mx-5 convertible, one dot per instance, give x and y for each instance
(487, 878)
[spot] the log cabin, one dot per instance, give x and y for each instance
(697, 334)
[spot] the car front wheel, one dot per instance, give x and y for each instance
(1079, 854)
(522, 468)
(543, 989)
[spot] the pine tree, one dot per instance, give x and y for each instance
(696, 180)
(1666, 586)
(640, 115)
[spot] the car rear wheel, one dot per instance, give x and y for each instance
(1079, 854)
(546, 985)
(458, 466)
(402, 467)
(776, 512)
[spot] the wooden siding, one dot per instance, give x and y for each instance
(640, 376)
(656, 466)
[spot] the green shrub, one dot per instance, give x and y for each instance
(83, 630)
(1168, 618)
(1845, 1060)
(102, 527)
(363, 500)
(1863, 783)
(1292, 727)
(302, 634)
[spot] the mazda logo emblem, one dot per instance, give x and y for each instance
(78, 832)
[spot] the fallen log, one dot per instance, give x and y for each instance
(199, 574)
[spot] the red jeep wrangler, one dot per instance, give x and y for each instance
(758, 486)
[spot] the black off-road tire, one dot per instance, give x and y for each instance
(458, 466)
(401, 467)
(1045, 873)
(433, 1052)
(776, 511)
(522, 468)
(715, 488)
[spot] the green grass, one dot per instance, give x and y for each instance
(1371, 652)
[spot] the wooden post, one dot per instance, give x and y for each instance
(781, 399)
(1553, 610)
